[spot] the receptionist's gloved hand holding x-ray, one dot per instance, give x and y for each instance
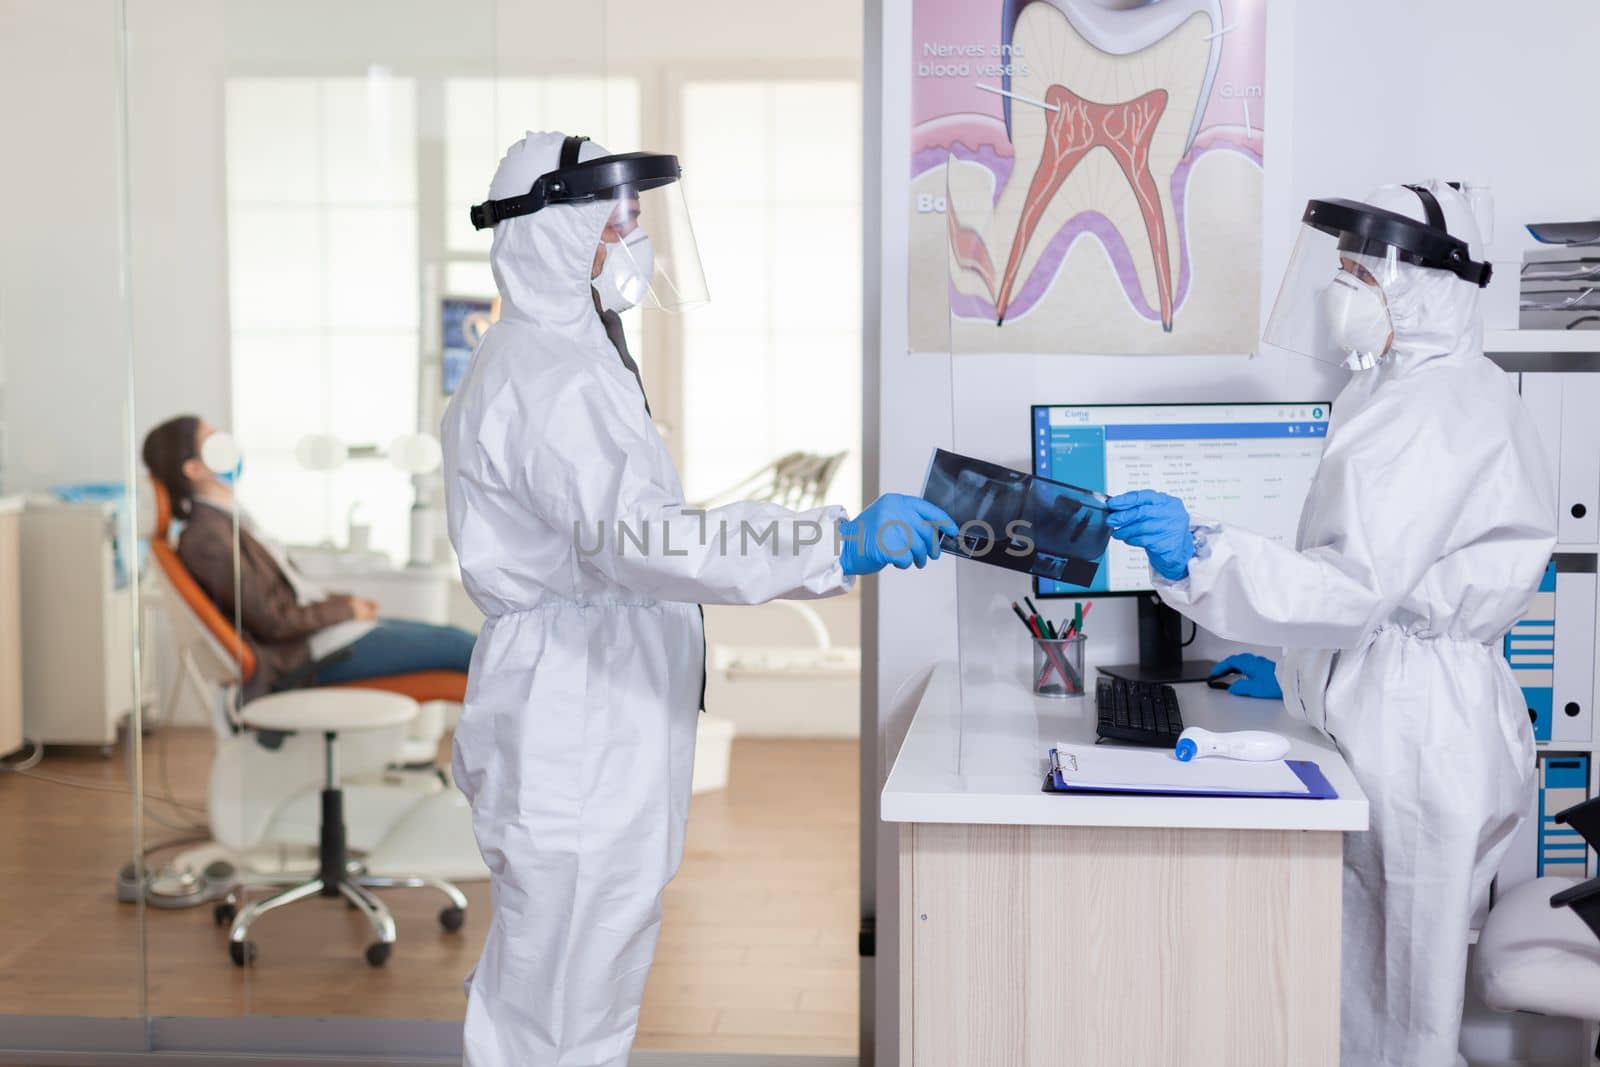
(576, 747)
(1157, 523)
(1422, 541)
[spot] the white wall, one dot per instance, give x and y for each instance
(62, 325)
(63, 320)
(62, 336)
(1358, 94)
(178, 222)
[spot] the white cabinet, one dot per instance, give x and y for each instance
(10, 627)
(77, 626)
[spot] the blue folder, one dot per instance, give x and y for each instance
(1317, 785)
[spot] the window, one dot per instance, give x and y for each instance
(323, 282)
(772, 364)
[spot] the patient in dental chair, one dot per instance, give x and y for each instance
(301, 634)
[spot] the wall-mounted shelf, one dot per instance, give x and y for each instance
(1541, 341)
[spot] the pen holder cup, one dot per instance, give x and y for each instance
(1058, 667)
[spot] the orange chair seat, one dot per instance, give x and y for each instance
(421, 686)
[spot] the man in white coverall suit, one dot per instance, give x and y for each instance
(577, 743)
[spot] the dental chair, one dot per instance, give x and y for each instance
(1539, 950)
(287, 763)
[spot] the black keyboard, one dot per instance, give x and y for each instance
(1139, 713)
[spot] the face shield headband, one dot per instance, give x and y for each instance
(1363, 229)
(607, 178)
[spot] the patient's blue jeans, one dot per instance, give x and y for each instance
(398, 646)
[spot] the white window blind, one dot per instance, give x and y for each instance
(773, 363)
(323, 283)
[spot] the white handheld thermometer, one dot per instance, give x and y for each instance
(1256, 745)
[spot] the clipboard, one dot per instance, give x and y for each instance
(1316, 785)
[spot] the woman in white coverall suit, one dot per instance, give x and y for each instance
(577, 743)
(1422, 541)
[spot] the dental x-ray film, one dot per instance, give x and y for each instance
(1019, 521)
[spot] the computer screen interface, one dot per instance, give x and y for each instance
(1250, 464)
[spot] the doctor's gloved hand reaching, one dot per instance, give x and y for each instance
(894, 530)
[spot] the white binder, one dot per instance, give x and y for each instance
(1542, 395)
(1572, 699)
(1564, 407)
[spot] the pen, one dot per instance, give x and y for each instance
(1036, 629)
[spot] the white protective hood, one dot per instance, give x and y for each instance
(542, 261)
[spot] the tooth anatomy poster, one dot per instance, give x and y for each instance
(1086, 176)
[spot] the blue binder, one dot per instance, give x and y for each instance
(1317, 786)
(1530, 648)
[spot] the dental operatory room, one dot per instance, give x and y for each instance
(934, 533)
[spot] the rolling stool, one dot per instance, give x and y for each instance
(329, 712)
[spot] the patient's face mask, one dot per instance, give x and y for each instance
(1357, 319)
(624, 278)
(220, 452)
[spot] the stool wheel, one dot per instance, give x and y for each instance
(452, 918)
(223, 914)
(378, 953)
(242, 952)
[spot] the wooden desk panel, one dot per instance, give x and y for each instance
(1113, 947)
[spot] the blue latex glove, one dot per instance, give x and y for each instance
(1260, 676)
(894, 530)
(1157, 523)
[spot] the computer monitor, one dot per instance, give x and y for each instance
(462, 321)
(1248, 463)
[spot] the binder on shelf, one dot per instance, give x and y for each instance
(1542, 845)
(1563, 782)
(1572, 675)
(1530, 648)
(1563, 407)
(1541, 393)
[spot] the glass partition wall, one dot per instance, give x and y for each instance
(227, 364)
(311, 290)
(71, 827)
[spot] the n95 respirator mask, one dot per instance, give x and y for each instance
(1357, 320)
(624, 278)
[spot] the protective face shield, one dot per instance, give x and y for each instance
(624, 278)
(647, 193)
(1334, 304)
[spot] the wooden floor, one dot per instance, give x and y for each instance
(757, 952)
